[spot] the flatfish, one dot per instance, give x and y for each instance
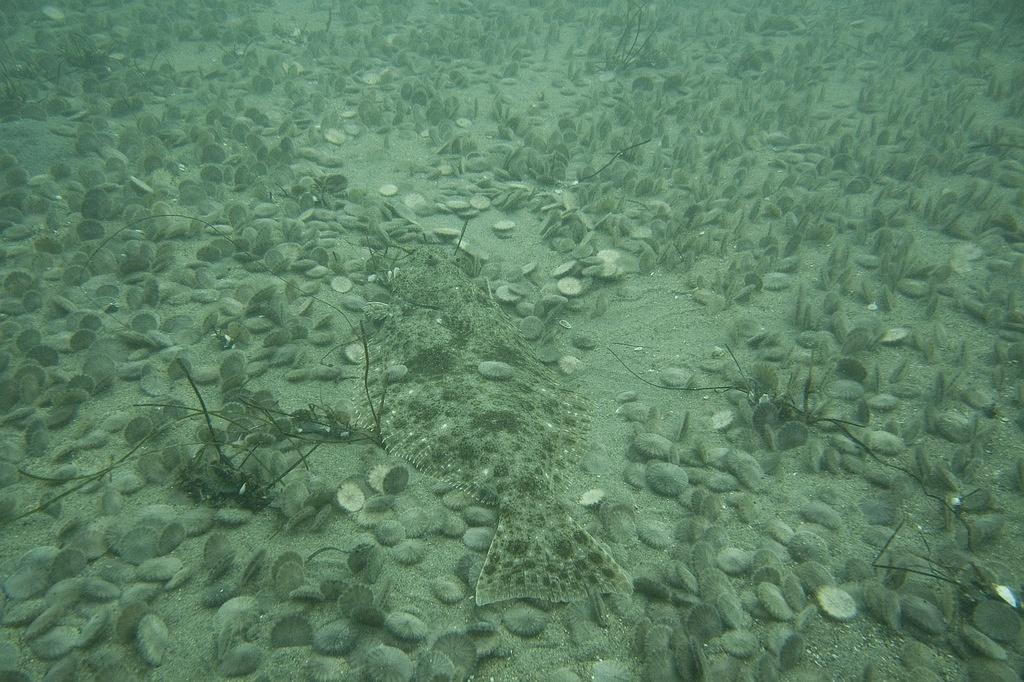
(507, 441)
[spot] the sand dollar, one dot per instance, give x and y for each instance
(836, 602)
(570, 287)
(503, 228)
(341, 284)
(334, 136)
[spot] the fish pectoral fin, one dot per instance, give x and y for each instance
(547, 556)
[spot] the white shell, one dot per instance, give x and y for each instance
(1007, 595)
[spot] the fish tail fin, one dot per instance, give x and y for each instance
(545, 554)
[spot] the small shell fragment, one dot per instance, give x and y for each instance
(1007, 595)
(139, 186)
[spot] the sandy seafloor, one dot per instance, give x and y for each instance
(829, 194)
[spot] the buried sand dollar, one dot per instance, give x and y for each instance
(506, 442)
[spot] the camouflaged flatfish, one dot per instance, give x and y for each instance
(507, 442)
